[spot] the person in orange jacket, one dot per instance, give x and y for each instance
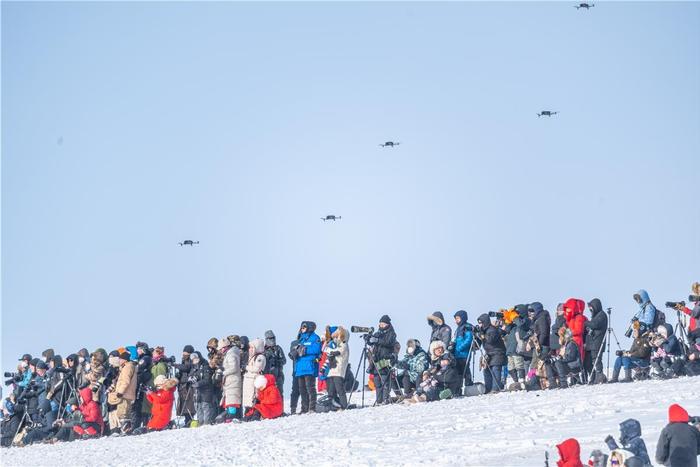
(162, 402)
(268, 403)
(569, 453)
(573, 313)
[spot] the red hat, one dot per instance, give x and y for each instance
(677, 414)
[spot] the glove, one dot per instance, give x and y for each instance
(231, 410)
(192, 379)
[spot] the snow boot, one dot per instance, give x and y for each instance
(521, 375)
(615, 376)
(513, 375)
(628, 376)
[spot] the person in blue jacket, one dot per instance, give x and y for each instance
(306, 365)
(647, 312)
(462, 344)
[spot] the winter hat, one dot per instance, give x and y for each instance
(436, 318)
(58, 361)
(83, 353)
(223, 343)
(270, 339)
(385, 319)
(26, 357)
(662, 331)
(160, 379)
(677, 414)
(114, 353)
(41, 365)
(196, 356)
(125, 356)
(188, 349)
(258, 345)
(241, 342)
(260, 382)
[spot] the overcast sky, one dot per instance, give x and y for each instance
(128, 127)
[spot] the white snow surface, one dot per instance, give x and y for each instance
(507, 429)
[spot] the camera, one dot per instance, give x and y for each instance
(362, 329)
(61, 369)
(674, 304)
(496, 314)
(630, 328)
(10, 375)
(619, 353)
(694, 298)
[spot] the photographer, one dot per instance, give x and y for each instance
(461, 346)
(693, 329)
(141, 408)
(231, 377)
(185, 399)
(494, 353)
(382, 344)
(122, 393)
(665, 359)
(440, 330)
(596, 328)
(338, 360)
(293, 356)
(515, 327)
(573, 313)
(647, 311)
(568, 359)
(679, 442)
(274, 360)
(559, 322)
(412, 366)
(636, 357)
(200, 383)
(308, 350)
(539, 345)
(692, 367)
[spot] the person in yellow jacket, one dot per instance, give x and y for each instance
(122, 394)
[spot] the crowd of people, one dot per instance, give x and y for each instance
(678, 445)
(133, 389)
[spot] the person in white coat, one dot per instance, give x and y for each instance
(229, 348)
(254, 368)
(338, 359)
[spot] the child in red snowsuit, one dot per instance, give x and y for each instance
(162, 399)
(269, 401)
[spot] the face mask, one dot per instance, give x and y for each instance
(410, 350)
(81, 359)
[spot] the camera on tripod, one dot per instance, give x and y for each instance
(694, 298)
(496, 314)
(362, 329)
(674, 304)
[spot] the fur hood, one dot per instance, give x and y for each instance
(341, 333)
(434, 345)
(436, 319)
(258, 346)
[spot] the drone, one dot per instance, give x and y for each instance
(330, 217)
(584, 5)
(390, 144)
(546, 113)
(188, 243)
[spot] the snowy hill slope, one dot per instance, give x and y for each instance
(509, 429)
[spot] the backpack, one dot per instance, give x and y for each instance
(659, 317)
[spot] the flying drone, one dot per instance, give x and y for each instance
(546, 113)
(390, 144)
(584, 5)
(188, 243)
(330, 217)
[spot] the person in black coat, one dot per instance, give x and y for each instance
(559, 322)
(596, 327)
(383, 343)
(440, 331)
(541, 324)
(294, 396)
(202, 388)
(274, 360)
(631, 440)
(569, 358)
(679, 443)
(494, 353)
(185, 399)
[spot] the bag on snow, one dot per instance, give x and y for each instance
(475, 389)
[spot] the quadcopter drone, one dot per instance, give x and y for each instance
(546, 113)
(188, 243)
(330, 217)
(390, 144)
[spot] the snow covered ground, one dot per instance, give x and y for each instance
(509, 429)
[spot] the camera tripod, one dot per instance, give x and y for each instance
(362, 364)
(611, 331)
(681, 333)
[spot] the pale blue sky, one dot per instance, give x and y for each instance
(240, 125)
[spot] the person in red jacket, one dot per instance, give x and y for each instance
(573, 313)
(162, 402)
(92, 424)
(269, 401)
(569, 454)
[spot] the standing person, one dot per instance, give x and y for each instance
(293, 357)
(141, 408)
(440, 330)
(308, 350)
(383, 342)
(232, 379)
(202, 389)
(255, 367)
(338, 358)
(274, 360)
(161, 400)
(596, 328)
(647, 311)
(463, 337)
(185, 397)
(494, 353)
(573, 312)
(96, 371)
(559, 322)
(122, 394)
(215, 364)
(679, 442)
